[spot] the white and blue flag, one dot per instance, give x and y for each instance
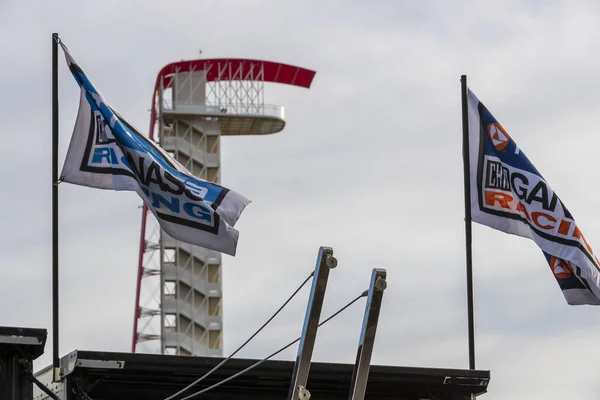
(509, 194)
(106, 152)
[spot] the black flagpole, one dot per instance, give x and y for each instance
(55, 354)
(468, 236)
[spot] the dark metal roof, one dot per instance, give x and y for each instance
(31, 339)
(152, 377)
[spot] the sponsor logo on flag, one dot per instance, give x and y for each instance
(509, 194)
(106, 152)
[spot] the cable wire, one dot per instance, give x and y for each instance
(243, 344)
(43, 388)
(364, 294)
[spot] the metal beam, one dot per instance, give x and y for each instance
(360, 375)
(325, 262)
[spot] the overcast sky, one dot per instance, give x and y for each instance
(369, 163)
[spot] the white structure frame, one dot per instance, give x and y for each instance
(181, 290)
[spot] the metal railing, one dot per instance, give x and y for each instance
(267, 110)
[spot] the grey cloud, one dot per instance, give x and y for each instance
(369, 163)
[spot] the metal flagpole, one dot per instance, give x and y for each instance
(468, 236)
(55, 354)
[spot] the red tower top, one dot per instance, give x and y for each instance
(235, 70)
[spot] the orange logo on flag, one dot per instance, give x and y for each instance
(498, 136)
(561, 268)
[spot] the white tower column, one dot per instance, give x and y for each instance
(192, 279)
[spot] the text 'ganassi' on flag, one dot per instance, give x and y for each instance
(173, 196)
(528, 196)
(179, 199)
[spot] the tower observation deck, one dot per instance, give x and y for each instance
(179, 289)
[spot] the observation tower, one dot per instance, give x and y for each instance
(179, 291)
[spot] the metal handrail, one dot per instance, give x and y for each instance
(226, 109)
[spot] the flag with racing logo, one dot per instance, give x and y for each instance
(509, 194)
(106, 152)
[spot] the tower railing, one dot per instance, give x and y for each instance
(268, 110)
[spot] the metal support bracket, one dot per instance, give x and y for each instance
(362, 366)
(325, 262)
